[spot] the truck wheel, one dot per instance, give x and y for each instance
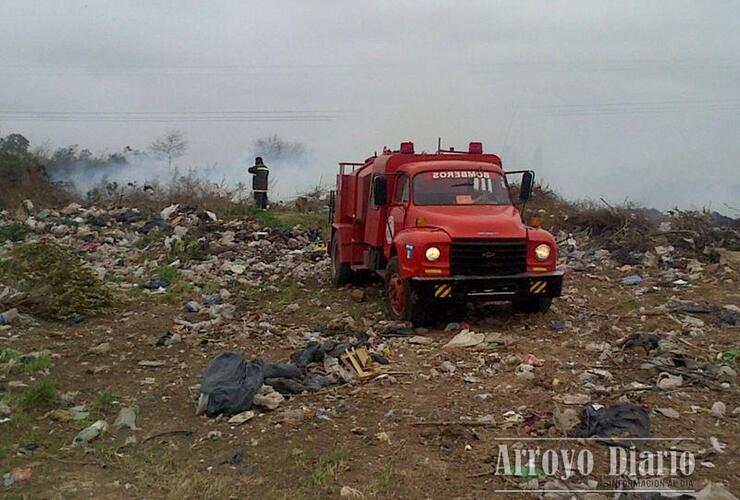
(530, 306)
(341, 272)
(402, 305)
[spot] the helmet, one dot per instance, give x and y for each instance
(258, 161)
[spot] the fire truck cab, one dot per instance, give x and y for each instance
(440, 229)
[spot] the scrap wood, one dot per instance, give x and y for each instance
(684, 341)
(359, 360)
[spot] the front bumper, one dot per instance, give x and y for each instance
(488, 288)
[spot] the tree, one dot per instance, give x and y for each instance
(273, 148)
(172, 145)
(14, 145)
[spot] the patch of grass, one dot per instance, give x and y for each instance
(9, 353)
(168, 272)
(19, 429)
(188, 249)
(385, 480)
(43, 395)
(288, 294)
(53, 283)
(300, 457)
(177, 287)
(328, 468)
(84, 423)
(168, 477)
(13, 232)
(170, 298)
(103, 401)
(37, 364)
(210, 287)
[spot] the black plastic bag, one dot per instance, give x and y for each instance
(613, 421)
(286, 386)
(231, 384)
(283, 370)
(311, 354)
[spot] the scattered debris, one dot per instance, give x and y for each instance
(668, 412)
(718, 409)
(666, 381)
(242, 417)
(90, 433)
(127, 418)
(465, 338)
(632, 280)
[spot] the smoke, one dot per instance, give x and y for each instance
(292, 170)
(87, 175)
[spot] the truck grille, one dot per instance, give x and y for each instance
(488, 257)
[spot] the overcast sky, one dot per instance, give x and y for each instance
(636, 100)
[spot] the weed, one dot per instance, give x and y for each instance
(177, 287)
(172, 478)
(210, 287)
(328, 467)
(299, 456)
(37, 364)
(171, 297)
(19, 429)
(188, 249)
(13, 232)
(385, 480)
(169, 273)
(9, 353)
(53, 283)
(103, 401)
(84, 423)
(43, 395)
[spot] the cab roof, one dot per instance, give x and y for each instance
(390, 163)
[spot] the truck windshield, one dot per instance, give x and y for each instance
(460, 187)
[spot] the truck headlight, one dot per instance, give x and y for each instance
(432, 254)
(542, 252)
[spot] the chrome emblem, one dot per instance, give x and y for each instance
(489, 254)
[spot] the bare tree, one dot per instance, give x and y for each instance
(172, 145)
(274, 148)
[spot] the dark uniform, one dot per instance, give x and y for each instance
(259, 182)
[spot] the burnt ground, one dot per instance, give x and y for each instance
(406, 434)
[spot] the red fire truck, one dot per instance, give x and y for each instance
(440, 229)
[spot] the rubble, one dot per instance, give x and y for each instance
(315, 365)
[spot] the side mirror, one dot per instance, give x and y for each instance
(525, 192)
(380, 191)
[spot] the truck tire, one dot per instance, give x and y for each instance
(531, 306)
(341, 272)
(400, 299)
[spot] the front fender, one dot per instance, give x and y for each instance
(411, 245)
(536, 236)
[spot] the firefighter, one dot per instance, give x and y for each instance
(259, 182)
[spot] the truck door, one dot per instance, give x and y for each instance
(397, 210)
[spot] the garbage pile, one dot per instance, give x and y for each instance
(232, 385)
(122, 250)
(684, 239)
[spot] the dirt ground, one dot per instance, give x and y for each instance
(416, 432)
